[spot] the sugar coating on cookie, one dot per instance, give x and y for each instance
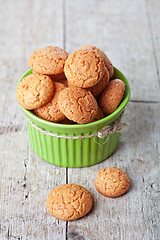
(51, 111)
(112, 182)
(112, 96)
(48, 60)
(107, 62)
(34, 91)
(84, 68)
(77, 104)
(69, 202)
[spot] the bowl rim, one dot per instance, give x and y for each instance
(106, 119)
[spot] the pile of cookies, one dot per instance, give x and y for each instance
(70, 201)
(75, 88)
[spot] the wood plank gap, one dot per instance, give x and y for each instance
(66, 175)
(152, 41)
(67, 230)
(141, 101)
(64, 24)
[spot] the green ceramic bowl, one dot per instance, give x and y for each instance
(74, 152)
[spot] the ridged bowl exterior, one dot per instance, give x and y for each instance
(74, 152)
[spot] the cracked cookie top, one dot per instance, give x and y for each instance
(51, 111)
(69, 202)
(34, 91)
(48, 60)
(77, 104)
(84, 68)
(112, 182)
(101, 85)
(106, 60)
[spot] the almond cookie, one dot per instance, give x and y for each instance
(69, 202)
(84, 68)
(77, 104)
(66, 121)
(112, 182)
(34, 91)
(56, 77)
(101, 85)
(99, 115)
(51, 111)
(48, 60)
(107, 62)
(63, 81)
(112, 96)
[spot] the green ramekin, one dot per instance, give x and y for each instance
(75, 152)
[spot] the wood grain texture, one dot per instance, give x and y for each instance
(121, 30)
(25, 180)
(128, 31)
(154, 22)
(135, 214)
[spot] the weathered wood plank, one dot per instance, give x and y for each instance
(25, 180)
(154, 22)
(121, 29)
(135, 214)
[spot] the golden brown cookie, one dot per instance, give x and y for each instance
(107, 62)
(34, 91)
(101, 85)
(56, 77)
(66, 121)
(69, 202)
(112, 182)
(77, 104)
(48, 60)
(99, 115)
(51, 111)
(84, 68)
(112, 96)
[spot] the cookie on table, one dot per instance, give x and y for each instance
(77, 104)
(84, 68)
(107, 62)
(112, 96)
(48, 60)
(69, 202)
(51, 111)
(34, 91)
(112, 182)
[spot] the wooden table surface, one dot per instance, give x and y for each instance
(129, 33)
